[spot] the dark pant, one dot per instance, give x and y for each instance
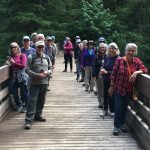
(36, 102)
(121, 104)
(108, 101)
(68, 58)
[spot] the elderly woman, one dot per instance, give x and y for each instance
(19, 79)
(123, 77)
(112, 55)
(68, 49)
(98, 64)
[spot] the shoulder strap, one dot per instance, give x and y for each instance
(21, 55)
(33, 58)
(125, 59)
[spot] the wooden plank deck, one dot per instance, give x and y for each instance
(73, 122)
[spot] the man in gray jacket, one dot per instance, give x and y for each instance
(39, 67)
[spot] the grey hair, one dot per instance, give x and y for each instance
(41, 35)
(130, 46)
(103, 44)
(114, 45)
(81, 45)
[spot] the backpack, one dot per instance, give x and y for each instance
(45, 57)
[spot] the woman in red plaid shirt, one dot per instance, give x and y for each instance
(123, 77)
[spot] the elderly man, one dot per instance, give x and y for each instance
(26, 49)
(39, 67)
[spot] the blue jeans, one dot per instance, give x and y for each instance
(121, 104)
(23, 93)
(36, 101)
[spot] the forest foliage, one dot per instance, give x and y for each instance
(120, 21)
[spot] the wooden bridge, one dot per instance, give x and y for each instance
(73, 119)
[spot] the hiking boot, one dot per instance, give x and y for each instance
(116, 131)
(95, 92)
(91, 89)
(41, 119)
(81, 80)
(100, 106)
(83, 84)
(112, 114)
(123, 129)
(27, 126)
(48, 89)
(23, 110)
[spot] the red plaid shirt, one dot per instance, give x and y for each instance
(120, 74)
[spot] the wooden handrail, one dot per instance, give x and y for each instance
(4, 90)
(138, 118)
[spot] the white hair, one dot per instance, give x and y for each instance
(130, 46)
(41, 36)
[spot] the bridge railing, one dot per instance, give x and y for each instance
(138, 118)
(4, 90)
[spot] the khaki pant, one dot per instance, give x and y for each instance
(89, 82)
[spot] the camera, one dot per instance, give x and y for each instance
(42, 70)
(8, 58)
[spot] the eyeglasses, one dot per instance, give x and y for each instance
(13, 47)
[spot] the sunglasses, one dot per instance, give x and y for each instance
(13, 47)
(25, 40)
(40, 46)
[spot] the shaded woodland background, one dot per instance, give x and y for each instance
(120, 21)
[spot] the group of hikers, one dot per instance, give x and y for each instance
(31, 69)
(103, 67)
(112, 75)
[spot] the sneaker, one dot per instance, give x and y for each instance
(104, 113)
(112, 114)
(27, 126)
(123, 129)
(23, 110)
(95, 92)
(41, 119)
(65, 71)
(116, 131)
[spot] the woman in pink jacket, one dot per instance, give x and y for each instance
(68, 48)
